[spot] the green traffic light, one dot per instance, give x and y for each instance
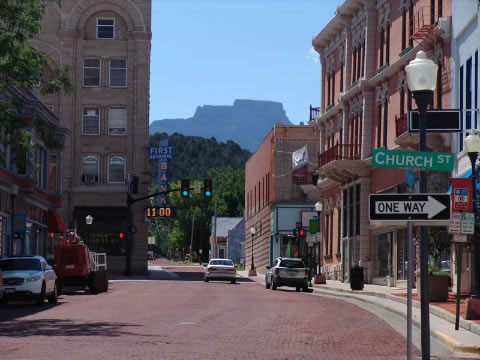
(185, 193)
(208, 193)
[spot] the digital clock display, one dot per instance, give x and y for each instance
(160, 212)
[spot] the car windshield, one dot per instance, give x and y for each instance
(221, 262)
(20, 264)
(292, 264)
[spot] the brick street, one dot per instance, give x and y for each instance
(173, 314)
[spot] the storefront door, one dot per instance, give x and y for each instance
(383, 259)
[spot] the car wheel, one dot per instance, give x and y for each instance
(297, 288)
(41, 298)
(274, 286)
(53, 298)
(267, 285)
(233, 281)
(305, 288)
(207, 280)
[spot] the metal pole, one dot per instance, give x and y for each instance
(423, 98)
(459, 273)
(476, 270)
(191, 239)
(252, 267)
(409, 289)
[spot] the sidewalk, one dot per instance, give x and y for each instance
(442, 321)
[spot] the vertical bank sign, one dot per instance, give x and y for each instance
(163, 154)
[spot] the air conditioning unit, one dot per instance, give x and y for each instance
(89, 178)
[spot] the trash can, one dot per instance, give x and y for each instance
(356, 278)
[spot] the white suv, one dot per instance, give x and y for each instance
(287, 272)
(28, 277)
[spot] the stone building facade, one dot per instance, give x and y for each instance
(107, 44)
(364, 104)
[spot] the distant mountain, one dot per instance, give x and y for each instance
(246, 123)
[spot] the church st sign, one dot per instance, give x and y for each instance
(412, 207)
(438, 161)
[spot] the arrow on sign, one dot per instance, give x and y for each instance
(431, 207)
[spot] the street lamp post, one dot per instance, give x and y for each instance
(252, 271)
(422, 78)
(318, 209)
(472, 147)
(89, 221)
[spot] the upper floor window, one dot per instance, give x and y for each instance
(52, 173)
(105, 28)
(117, 121)
(90, 168)
(91, 72)
(116, 169)
(40, 167)
(118, 73)
(91, 121)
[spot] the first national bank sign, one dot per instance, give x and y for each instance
(437, 161)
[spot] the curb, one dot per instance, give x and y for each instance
(454, 345)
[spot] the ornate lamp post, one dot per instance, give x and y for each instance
(472, 147)
(318, 209)
(252, 271)
(422, 80)
(89, 221)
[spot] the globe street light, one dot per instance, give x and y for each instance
(252, 271)
(472, 147)
(89, 221)
(422, 80)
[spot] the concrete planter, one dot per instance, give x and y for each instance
(438, 288)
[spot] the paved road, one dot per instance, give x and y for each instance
(173, 315)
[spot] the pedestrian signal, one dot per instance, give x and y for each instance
(185, 188)
(207, 188)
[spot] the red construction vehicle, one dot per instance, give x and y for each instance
(75, 265)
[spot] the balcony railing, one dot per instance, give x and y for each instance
(339, 152)
(314, 112)
(401, 124)
(425, 21)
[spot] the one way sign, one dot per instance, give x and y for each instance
(413, 207)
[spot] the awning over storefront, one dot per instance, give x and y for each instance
(55, 222)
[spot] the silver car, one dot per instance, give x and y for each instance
(220, 269)
(287, 272)
(28, 277)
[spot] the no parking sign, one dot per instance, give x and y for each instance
(462, 194)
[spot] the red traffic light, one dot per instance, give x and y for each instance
(301, 232)
(121, 235)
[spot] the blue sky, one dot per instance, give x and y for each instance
(211, 52)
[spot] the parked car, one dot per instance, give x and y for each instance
(287, 272)
(220, 269)
(28, 277)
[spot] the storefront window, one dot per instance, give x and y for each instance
(402, 253)
(383, 253)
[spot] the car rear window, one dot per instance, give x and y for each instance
(292, 264)
(20, 264)
(221, 262)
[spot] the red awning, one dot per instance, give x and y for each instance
(55, 222)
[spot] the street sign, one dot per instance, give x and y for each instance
(468, 223)
(197, 188)
(437, 121)
(414, 207)
(438, 161)
(455, 224)
(461, 194)
(314, 226)
(459, 238)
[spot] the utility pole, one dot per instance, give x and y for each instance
(191, 238)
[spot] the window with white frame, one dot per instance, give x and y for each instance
(116, 169)
(105, 28)
(91, 72)
(118, 73)
(117, 119)
(90, 168)
(91, 121)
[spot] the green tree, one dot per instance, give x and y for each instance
(21, 65)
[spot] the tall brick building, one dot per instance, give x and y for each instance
(364, 104)
(108, 46)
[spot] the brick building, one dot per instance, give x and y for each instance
(364, 103)
(108, 46)
(276, 194)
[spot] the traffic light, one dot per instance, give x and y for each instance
(185, 188)
(121, 235)
(134, 185)
(294, 232)
(207, 188)
(301, 233)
